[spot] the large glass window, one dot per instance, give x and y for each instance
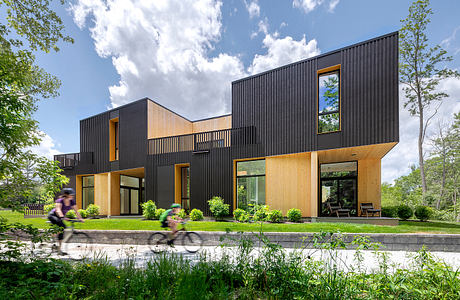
(130, 195)
(87, 191)
(329, 102)
(250, 183)
(339, 187)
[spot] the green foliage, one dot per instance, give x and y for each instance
(244, 217)
(275, 216)
(294, 215)
(390, 211)
(148, 210)
(260, 212)
(218, 208)
(196, 215)
(159, 212)
(71, 214)
(182, 214)
(48, 207)
(423, 213)
(83, 213)
(237, 213)
(92, 210)
(405, 212)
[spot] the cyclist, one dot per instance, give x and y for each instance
(56, 216)
(170, 219)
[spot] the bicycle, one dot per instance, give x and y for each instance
(76, 244)
(191, 241)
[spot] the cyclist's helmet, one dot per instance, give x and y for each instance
(68, 191)
(174, 205)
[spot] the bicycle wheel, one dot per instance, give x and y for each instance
(192, 241)
(157, 242)
(78, 246)
(43, 249)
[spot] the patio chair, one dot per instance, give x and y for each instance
(368, 209)
(337, 210)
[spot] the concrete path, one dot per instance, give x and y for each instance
(141, 255)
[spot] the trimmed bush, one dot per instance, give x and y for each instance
(48, 207)
(261, 212)
(83, 213)
(71, 214)
(245, 217)
(182, 214)
(423, 213)
(294, 215)
(158, 213)
(390, 211)
(275, 216)
(196, 215)
(218, 208)
(148, 210)
(405, 212)
(237, 213)
(92, 210)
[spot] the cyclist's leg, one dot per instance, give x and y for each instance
(58, 221)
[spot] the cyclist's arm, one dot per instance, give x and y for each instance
(59, 210)
(77, 213)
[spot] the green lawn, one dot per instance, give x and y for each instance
(137, 224)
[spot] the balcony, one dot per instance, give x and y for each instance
(203, 141)
(69, 161)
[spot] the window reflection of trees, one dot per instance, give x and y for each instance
(328, 110)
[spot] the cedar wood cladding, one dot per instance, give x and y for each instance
(282, 103)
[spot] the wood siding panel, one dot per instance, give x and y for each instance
(369, 176)
(219, 123)
(115, 194)
(163, 122)
(288, 182)
(101, 192)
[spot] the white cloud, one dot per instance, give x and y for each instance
(310, 5)
(281, 52)
(449, 42)
(46, 147)
(402, 156)
(253, 8)
(283, 24)
(160, 49)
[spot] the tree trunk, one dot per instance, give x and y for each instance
(420, 146)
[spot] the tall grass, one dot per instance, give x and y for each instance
(242, 272)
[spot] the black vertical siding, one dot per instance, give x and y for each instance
(133, 135)
(282, 103)
(94, 138)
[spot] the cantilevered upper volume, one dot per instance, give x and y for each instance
(308, 135)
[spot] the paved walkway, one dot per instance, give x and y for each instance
(141, 254)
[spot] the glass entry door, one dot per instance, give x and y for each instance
(130, 195)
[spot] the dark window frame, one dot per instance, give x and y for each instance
(83, 187)
(323, 72)
(247, 176)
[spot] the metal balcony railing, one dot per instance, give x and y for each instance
(69, 160)
(203, 141)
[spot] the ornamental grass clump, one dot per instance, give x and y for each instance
(218, 208)
(148, 210)
(196, 215)
(294, 215)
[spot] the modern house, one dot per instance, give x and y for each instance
(305, 135)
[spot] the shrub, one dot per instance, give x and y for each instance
(182, 214)
(245, 217)
(275, 216)
(261, 212)
(92, 210)
(48, 207)
(390, 211)
(237, 213)
(294, 215)
(83, 213)
(158, 213)
(423, 213)
(218, 208)
(196, 215)
(71, 214)
(405, 212)
(148, 210)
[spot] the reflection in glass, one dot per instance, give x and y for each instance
(134, 202)
(251, 167)
(129, 181)
(250, 191)
(328, 102)
(87, 191)
(339, 169)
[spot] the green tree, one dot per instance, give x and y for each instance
(31, 26)
(421, 69)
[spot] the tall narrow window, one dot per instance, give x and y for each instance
(116, 140)
(185, 188)
(114, 136)
(329, 101)
(87, 191)
(250, 183)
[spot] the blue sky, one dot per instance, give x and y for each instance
(184, 54)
